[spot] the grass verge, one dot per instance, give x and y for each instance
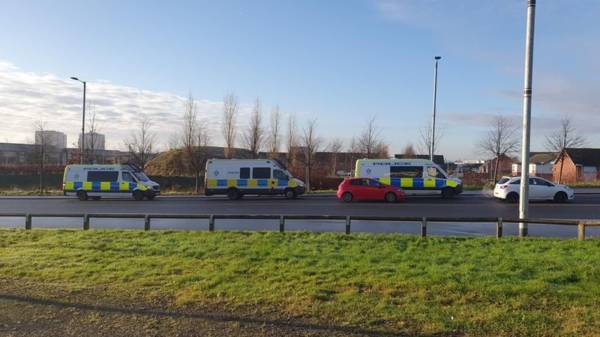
(403, 284)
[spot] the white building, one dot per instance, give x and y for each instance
(54, 139)
(93, 140)
(540, 164)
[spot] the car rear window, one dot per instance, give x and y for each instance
(503, 181)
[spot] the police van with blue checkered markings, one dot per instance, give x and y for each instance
(237, 177)
(414, 176)
(97, 181)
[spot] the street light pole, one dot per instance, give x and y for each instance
(82, 145)
(527, 92)
(435, 76)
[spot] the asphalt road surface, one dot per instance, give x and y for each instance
(585, 206)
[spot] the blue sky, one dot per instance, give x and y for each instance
(338, 61)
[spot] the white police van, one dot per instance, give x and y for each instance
(414, 176)
(96, 181)
(237, 177)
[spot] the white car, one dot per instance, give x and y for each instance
(507, 189)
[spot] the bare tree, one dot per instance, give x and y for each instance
(500, 140)
(228, 125)
(253, 137)
(291, 141)
(424, 145)
(409, 151)
(141, 142)
(369, 143)
(42, 149)
(93, 139)
(274, 139)
(194, 140)
(563, 138)
(335, 147)
(310, 144)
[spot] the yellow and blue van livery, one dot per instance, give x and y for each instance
(237, 177)
(419, 176)
(97, 181)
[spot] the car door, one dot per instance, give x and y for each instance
(546, 189)
(536, 192)
(375, 189)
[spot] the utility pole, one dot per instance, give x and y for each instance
(527, 92)
(435, 76)
(82, 145)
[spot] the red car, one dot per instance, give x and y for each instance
(368, 189)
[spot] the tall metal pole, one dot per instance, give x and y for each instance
(527, 92)
(435, 76)
(83, 126)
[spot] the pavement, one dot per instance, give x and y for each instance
(585, 206)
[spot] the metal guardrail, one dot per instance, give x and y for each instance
(581, 224)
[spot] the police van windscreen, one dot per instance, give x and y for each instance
(141, 176)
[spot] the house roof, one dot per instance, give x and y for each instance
(584, 156)
(541, 157)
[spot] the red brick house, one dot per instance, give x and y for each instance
(504, 167)
(577, 165)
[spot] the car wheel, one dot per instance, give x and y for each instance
(233, 194)
(138, 195)
(289, 193)
(82, 195)
(150, 197)
(560, 197)
(391, 197)
(447, 193)
(512, 197)
(347, 197)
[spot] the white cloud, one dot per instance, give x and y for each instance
(29, 97)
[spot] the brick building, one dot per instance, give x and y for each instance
(577, 165)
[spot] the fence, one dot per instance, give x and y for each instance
(581, 224)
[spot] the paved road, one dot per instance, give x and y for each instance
(584, 207)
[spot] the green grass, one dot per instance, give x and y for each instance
(405, 284)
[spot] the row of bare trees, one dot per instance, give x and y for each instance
(502, 140)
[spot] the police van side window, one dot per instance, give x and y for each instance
(102, 176)
(435, 173)
(245, 173)
(261, 173)
(406, 171)
(127, 177)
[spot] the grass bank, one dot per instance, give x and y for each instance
(403, 284)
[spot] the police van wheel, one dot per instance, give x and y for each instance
(290, 193)
(390, 197)
(82, 195)
(347, 197)
(150, 197)
(448, 193)
(233, 194)
(138, 195)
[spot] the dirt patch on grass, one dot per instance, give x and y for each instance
(33, 309)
